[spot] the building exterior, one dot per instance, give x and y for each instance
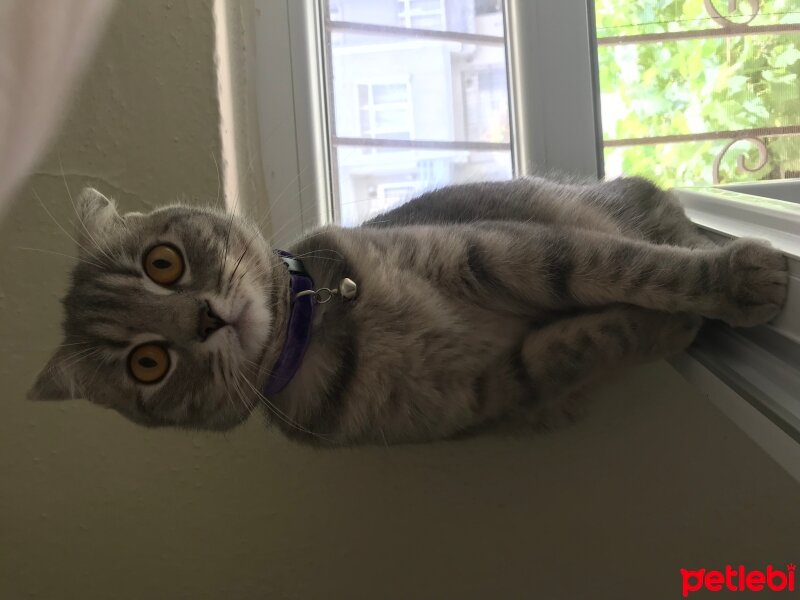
(390, 91)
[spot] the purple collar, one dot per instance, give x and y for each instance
(298, 330)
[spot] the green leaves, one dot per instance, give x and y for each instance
(786, 58)
(695, 86)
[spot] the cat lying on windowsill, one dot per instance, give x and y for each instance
(468, 304)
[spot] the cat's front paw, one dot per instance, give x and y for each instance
(756, 283)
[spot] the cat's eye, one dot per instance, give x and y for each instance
(148, 363)
(164, 264)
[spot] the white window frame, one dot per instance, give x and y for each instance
(753, 375)
(554, 127)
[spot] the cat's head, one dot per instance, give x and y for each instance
(168, 317)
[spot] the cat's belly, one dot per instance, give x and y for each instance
(447, 378)
(407, 379)
(406, 361)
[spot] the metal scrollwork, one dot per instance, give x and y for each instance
(733, 6)
(763, 155)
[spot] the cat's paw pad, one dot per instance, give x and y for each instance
(758, 279)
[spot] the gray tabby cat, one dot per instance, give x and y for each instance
(475, 303)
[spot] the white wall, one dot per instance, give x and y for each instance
(92, 507)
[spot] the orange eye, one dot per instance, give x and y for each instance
(148, 363)
(163, 264)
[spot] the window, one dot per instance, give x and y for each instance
(442, 115)
(393, 97)
(691, 92)
(431, 91)
(700, 92)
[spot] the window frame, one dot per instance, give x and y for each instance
(752, 375)
(554, 127)
(289, 38)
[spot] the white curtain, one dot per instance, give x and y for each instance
(44, 44)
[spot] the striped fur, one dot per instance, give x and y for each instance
(476, 303)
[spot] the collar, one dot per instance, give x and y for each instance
(298, 330)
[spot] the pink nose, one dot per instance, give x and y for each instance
(209, 322)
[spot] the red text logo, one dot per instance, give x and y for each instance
(739, 579)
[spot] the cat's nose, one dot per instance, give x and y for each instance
(209, 321)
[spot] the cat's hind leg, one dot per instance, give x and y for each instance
(565, 358)
(644, 210)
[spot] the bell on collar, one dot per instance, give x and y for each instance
(348, 288)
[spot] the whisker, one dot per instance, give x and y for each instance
(313, 252)
(43, 250)
(249, 407)
(238, 262)
(259, 369)
(77, 214)
(73, 344)
(225, 252)
(47, 210)
(277, 198)
(219, 178)
(79, 356)
(280, 414)
(294, 217)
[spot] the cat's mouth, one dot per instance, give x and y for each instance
(239, 322)
(247, 327)
(247, 322)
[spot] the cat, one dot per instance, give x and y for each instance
(473, 303)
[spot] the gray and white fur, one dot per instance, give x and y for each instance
(476, 303)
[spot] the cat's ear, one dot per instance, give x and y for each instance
(99, 217)
(54, 382)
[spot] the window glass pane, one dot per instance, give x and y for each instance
(425, 21)
(413, 111)
(363, 95)
(391, 120)
(452, 92)
(382, 94)
(700, 92)
(486, 104)
(371, 183)
(423, 5)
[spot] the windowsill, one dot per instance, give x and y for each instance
(753, 375)
(732, 214)
(737, 214)
(751, 420)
